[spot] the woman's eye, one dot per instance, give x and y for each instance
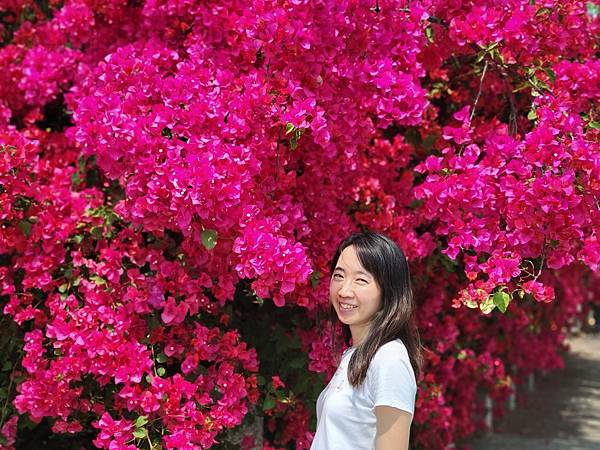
(362, 281)
(337, 276)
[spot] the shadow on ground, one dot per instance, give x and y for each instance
(562, 413)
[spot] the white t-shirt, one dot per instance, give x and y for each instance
(346, 416)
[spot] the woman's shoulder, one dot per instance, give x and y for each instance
(392, 353)
(392, 349)
(390, 364)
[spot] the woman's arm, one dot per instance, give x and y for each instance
(393, 428)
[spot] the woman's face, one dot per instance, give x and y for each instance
(353, 292)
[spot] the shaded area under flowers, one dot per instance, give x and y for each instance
(564, 410)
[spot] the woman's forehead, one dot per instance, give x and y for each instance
(349, 262)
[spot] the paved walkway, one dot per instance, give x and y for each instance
(563, 413)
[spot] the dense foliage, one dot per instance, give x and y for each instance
(175, 174)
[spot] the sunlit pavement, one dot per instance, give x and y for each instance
(562, 413)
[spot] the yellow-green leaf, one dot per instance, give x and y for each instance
(487, 306)
(209, 239)
(140, 433)
(501, 300)
(141, 421)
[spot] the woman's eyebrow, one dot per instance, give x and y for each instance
(358, 272)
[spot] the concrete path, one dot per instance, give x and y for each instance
(563, 413)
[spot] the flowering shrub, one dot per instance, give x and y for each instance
(174, 177)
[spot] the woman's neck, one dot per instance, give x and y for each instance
(359, 333)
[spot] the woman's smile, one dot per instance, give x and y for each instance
(347, 306)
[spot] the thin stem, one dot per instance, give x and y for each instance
(149, 441)
(153, 361)
(485, 66)
(277, 157)
(10, 385)
(542, 260)
(6, 401)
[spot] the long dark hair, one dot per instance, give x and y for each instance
(383, 259)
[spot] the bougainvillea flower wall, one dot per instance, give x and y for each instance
(176, 174)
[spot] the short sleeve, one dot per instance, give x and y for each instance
(391, 379)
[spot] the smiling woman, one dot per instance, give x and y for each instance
(369, 402)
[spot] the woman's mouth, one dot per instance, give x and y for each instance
(347, 306)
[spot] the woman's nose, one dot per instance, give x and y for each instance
(345, 289)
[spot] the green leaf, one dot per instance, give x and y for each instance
(25, 227)
(542, 11)
(429, 141)
(96, 232)
(314, 278)
(594, 125)
(98, 280)
(140, 433)
(501, 300)
(63, 288)
(269, 403)
(161, 358)
(161, 371)
(289, 128)
(487, 306)
(532, 115)
(471, 304)
(429, 34)
(416, 203)
(76, 178)
(141, 421)
(496, 55)
(551, 74)
(260, 380)
(491, 47)
(296, 363)
(209, 239)
(592, 9)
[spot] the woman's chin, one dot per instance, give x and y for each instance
(346, 317)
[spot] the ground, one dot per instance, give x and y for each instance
(562, 413)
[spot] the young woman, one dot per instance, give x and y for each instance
(369, 402)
